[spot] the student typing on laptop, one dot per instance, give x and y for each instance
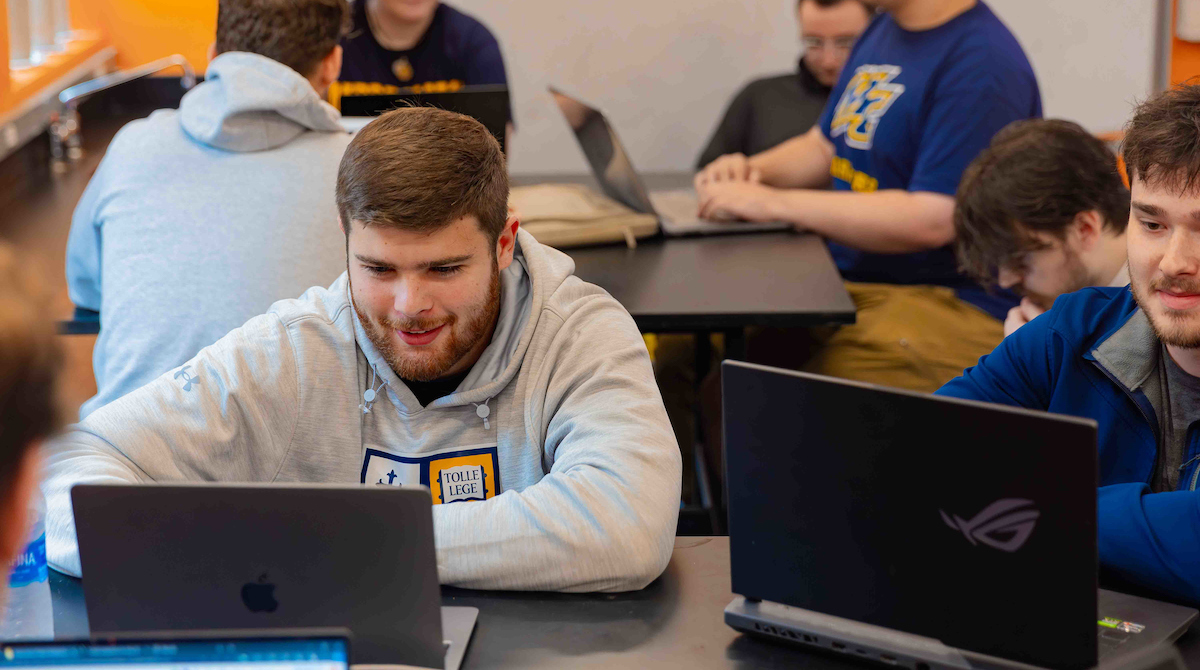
(924, 90)
(456, 352)
(1129, 358)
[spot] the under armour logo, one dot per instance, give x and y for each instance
(187, 377)
(1004, 525)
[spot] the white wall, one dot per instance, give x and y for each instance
(663, 70)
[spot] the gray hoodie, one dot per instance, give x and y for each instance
(201, 218)
(553, 465)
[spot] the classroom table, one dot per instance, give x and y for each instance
(676, 622)
(714, 282)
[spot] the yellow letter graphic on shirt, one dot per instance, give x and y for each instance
(868, 96)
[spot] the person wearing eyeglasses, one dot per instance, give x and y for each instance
(771, 110)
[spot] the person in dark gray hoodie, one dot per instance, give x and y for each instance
(200, 218)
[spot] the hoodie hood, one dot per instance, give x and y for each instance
(249, 103)
(535, 274)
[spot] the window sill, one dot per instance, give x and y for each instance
(27, 83)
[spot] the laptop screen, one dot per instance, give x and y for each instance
(605, 153)
(308, 653)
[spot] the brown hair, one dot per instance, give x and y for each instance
(1035, 176)
(1162, 140)
(29, 363)
(421, 169)
(297, 33)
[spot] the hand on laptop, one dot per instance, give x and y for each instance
(730, 167)
(735, 201)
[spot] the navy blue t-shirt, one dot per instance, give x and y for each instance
(456, 51)
(910, 111)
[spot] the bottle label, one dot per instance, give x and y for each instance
(29, 566)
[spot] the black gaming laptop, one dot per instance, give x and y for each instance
(919, 531)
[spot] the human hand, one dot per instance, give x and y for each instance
(727, 168)
(736, 200)
(1020, 315)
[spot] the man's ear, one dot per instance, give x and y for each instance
(328, 71)
(14, 505)
(1086, 230)
(506, 244)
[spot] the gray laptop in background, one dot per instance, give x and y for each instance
(919, 531)
(676, 209)
(269, 556)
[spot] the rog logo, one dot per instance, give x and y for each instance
(1004, 524)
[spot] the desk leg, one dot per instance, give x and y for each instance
(735, 344)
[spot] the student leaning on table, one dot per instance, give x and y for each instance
(926, 87)
(1129, 358)
(29, 363)
(456, 352)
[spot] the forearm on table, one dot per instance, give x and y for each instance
(884, 222)
(76, 458)
(565, 533)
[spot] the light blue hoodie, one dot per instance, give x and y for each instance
(200, 218)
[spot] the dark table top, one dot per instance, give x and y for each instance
(715, 282)
(676, 622)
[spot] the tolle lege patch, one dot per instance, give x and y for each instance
(458, 475)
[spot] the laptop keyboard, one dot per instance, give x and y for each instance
(1111, 640)
(678, 206)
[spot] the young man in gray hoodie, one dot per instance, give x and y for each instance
(199, 218)
(455, 353)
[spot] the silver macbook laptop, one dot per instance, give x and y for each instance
(269, 556)
(919, 531)
(676, 209)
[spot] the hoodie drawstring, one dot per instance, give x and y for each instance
(483, 412)
(371, 393)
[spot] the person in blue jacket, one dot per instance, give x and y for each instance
(1129, 358)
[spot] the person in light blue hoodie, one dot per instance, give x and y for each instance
(200, 218)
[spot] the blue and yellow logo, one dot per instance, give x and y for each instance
(459, 475)
(868, 96)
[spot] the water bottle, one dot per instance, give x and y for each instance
(27, 613)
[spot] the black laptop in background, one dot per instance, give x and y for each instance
(919, 531)
(489, 105)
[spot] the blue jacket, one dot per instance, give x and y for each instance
(1089, 356)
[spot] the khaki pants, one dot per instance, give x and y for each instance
(910, 337)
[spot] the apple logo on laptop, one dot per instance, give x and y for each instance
(259, 596)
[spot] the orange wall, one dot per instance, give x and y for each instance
(144, 30)
(1185, 56)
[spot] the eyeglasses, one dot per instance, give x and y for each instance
(839, 45)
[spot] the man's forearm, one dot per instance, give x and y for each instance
(884, 222)
(76, 458)
(801, 162)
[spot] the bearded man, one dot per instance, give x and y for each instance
(456, 353)
(1129, 358)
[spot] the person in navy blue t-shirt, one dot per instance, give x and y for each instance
(418, 46)
(923, 92)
